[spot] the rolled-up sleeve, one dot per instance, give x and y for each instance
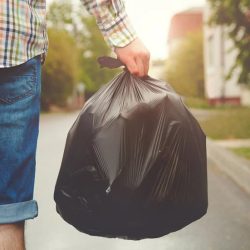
(112, 20)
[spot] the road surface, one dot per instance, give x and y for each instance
(226, 226)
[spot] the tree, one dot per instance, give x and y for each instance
(60, 15)
(235, 15)
(94, 46)
(185, 70)
(75, 42)
(59, 74)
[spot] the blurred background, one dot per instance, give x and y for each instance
(200, 47)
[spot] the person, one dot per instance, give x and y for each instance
(23, 46)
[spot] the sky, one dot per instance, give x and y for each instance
(151, 20)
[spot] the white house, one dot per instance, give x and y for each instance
(219, 58)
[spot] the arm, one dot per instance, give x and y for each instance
(115, 26)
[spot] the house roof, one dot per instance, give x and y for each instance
(185, 22)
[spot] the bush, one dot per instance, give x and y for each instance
(185, 70)
(60, 70)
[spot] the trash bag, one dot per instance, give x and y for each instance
(134, 164)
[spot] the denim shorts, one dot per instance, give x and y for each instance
(20, 88)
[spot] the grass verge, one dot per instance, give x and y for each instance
(245, 152)
(228, 124)
(195, 102)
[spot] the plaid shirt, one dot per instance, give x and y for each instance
(23, 27)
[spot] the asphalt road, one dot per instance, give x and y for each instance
(226, 226)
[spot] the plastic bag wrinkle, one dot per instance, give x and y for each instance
(134, 164)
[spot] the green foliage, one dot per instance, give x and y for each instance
(235, 15)
(245, 152)
(92, 75)
(75, 43)
(184, 69)
(228, 124)
(60, 14)
(60, 71)
(197, 102)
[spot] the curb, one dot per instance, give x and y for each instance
(236, 167)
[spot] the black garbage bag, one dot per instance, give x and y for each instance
(134, 164)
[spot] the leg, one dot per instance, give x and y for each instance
(12, 236)
(19, 117)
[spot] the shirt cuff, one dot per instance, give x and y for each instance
(119, 32)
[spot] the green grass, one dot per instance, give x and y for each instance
(196, 102)
(228, 123)
(245, 152)
(202, 103)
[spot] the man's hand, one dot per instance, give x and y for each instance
(135, 56)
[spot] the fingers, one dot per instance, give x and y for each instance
(132, 66)
(143, 61)
(146, 64)
(136, 58)
(140, 67)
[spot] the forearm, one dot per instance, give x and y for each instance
(112, 20)
(115, 26)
